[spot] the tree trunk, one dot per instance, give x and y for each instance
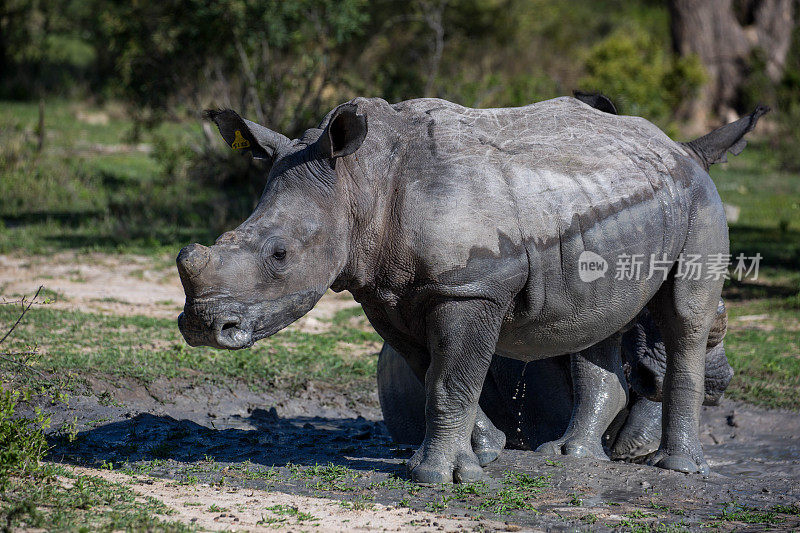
(724, 34)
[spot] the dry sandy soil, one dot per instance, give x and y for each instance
(261, 510)
(262, 442)
(120, 285)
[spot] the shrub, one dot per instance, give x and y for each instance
(788, 110)
(22, 441)
(640, 73)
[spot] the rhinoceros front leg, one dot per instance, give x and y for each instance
(401, 391)
(462, 336)
(600, 393)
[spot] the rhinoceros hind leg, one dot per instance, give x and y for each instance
(600, 393)
(487, 440)
(684, 309)
(640, 435)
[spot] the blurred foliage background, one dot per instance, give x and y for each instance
(101, 142)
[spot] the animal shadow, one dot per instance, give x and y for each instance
(269, 440)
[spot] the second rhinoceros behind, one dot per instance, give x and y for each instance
(460, 231)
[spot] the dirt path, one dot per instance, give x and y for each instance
(121, 285)
(219, 508)
(324, 453)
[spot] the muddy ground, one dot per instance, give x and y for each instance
(273, 441)
(230, 457)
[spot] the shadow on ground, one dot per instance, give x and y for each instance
(269, 440)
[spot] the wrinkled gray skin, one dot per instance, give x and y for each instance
(529, 405)
(459, 231)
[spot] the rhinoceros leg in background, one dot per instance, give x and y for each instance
(646, 355)
(402, 398)
(600, 393)
(640, 434)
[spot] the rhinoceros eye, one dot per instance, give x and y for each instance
(274, 254)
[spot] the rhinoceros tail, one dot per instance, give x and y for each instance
(713, 147)
(598, 101)
(719, 327)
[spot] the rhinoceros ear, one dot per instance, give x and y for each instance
(246, 136)
(596, 100)
(345, 132)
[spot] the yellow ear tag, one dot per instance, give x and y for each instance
(239, 142)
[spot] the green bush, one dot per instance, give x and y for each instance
(788, 110)
(640, 73)
(783, 97)
(22, 441)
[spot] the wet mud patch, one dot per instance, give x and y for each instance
(321, 443)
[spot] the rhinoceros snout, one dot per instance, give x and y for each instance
(225, 332)
(230, 333)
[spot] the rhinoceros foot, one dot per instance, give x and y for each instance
(641, 434)
(445, 465)
(683, 455)
(487, 440)
(575, 447)
(680, 463)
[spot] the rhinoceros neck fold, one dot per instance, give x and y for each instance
(370, 198)
(372, 181)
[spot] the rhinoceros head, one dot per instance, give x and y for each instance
(273, 268)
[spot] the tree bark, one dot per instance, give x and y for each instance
(724, 34)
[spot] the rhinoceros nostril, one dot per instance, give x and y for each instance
(227, 326)
(230, 334)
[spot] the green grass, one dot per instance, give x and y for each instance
(149, 348)
(91, 188)
(282, 511)
(329, 477)
(60, 500)
(764, 352)
(733, 512)
(766, 197)
(518, 494)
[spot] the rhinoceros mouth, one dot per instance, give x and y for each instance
(209, 322)
(227, 332)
